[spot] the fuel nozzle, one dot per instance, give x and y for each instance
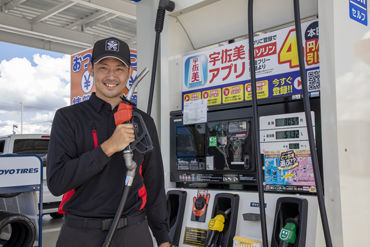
(216, 225)
(125, 114)
(288, 233)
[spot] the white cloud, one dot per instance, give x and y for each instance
(36, 123)
(43, 88)
(43, 118)
(6, 127)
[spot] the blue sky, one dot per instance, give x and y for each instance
(9, 51)
(39, 79)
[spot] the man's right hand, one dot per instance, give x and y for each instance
(122, 136)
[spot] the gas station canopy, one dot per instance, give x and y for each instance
(66, 26)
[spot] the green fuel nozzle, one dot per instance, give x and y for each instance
(288, 233)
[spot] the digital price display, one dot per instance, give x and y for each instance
(288, 134)
(286, 121)
(293, 145)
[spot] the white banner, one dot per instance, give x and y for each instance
(19, 171)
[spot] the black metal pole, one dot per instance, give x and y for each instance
(154, 70)
(257, 152)
(307, 107)
(161, 12)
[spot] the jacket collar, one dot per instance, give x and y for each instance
(97, 102)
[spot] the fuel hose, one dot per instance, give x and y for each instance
(307, 109)
(257, 152)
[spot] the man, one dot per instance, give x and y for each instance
(85, 162)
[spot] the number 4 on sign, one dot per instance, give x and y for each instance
(289, 52)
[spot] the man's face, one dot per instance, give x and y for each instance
(110, 77)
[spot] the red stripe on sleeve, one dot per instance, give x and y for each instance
(142, 190)
(69, 194)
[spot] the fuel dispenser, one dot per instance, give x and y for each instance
(222, 163)
(213, 163)
(176, 206)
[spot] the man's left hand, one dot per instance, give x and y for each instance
(166, 244)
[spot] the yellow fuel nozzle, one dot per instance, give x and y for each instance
(217, 223)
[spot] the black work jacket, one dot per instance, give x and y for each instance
(74, 163)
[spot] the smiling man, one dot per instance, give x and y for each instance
(85, 163)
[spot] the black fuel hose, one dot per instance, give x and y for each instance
(307, 109)
(23, 231)
(257, 152)
(112, 229)
(129, 162)
(161, 12)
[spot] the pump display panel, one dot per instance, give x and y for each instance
(219, 153)
(287, 158)
(216, 152)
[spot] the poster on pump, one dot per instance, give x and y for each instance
(222, 74)
(82, 83)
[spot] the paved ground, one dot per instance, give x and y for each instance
(356, 210)
(50, 230)
(355, 214)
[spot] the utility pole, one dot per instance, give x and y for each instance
(21, 117)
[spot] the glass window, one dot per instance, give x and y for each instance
(31, 146)
(2, 145)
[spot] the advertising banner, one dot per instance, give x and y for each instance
(223, 76)
(20, 171)
(82, 83)
(289, 171)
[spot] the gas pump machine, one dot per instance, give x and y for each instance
(212, 142)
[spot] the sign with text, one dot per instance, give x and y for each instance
(223, 76)
(82, 83)
(20, 171)
(289, 171)
(358, 11)
(195, 111)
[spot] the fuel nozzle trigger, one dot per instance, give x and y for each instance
(143, 143)
(288, 232)
(217, 223)
(125, 114)
(216, 226)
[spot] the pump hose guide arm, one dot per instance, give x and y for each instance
(257, 151)
(124, 114)
(161, 12)
(307, 108)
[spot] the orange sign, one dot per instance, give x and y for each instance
(82, 83)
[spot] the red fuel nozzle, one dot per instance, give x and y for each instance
(123, 114)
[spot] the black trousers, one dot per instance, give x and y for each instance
(132, 235)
